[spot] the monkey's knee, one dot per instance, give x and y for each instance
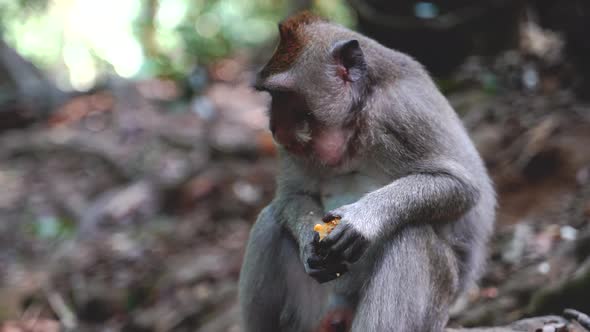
(413, 285)
(428, 259)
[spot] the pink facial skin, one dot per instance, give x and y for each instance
(329, 145)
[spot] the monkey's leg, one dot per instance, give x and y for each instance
(413, 285)
(275, 293)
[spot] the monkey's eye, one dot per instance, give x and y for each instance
(260, 87)
(259, 84)
(263, 88)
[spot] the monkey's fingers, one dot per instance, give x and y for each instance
(316, 262)
(318, 249)
(327, 274)
(334, 236)
(330, 216)
(348, 244)
(348, 238)
(316, 238)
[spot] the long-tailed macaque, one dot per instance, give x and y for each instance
(364, 135)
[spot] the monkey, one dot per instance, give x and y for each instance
(362, 134)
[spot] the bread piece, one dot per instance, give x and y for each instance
(326, 228)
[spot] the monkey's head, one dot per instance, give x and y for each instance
(317, 80)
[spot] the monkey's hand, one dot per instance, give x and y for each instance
(344, 242)
(321, 265)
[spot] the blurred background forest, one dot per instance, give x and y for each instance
(134, 155)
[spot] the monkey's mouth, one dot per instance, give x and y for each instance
(294, 138)
(290, 121)
(330, 145)
(303, 132)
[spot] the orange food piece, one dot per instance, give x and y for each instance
(326, 228)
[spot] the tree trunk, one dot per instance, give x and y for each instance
(26, 95)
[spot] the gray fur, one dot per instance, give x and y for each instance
(428, 211)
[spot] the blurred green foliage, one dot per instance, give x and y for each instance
(77, 41)
(51, 228)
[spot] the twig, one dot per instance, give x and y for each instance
(66, 316)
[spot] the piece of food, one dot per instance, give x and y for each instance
(324, 229)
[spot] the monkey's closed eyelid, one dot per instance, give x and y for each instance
(271, 90)
(259, 87)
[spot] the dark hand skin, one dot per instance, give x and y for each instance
(321, 265)
(327, 258)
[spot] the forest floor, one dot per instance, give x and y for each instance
(129, 211)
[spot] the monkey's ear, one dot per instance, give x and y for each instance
(350, 58)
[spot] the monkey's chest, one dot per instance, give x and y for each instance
(345, 189)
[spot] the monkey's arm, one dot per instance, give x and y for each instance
(424, 137)
(297, 201)
(298, 211)
(298, 208)
(443, 192)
